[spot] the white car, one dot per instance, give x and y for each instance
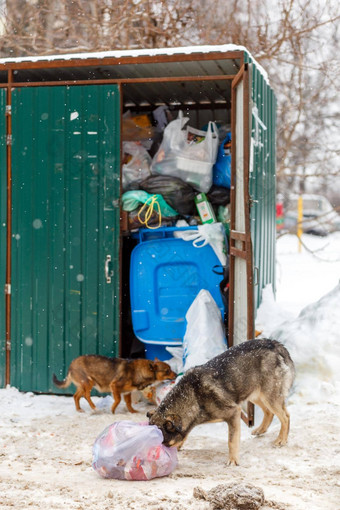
(319, 217)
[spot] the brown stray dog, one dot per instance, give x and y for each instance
(260, 371)
(115, 375)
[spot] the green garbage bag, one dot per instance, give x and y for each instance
(131, 200)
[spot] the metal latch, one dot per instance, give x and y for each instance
(107, 270)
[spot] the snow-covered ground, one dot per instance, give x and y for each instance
(45, 455)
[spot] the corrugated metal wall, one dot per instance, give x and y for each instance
(3, 219)
(66, 161)
(262, 183)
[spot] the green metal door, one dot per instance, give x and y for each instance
(66, 187)
(3, 185)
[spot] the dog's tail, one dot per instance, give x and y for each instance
(64, 383)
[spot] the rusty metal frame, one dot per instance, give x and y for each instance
(57, 63)
(244, 237)
(8, 282)
(123, 81)
(121, 221)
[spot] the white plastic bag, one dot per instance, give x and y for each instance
(138, 165)
(162, 390)
(198, 157)
(204, 336)
(176, 362)
(187, 153)
(212, 233)
(132, 451)
(164, 161)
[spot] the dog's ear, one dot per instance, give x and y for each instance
(152, 366)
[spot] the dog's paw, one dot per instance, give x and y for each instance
(257, 432)
(96, 411)
(280, 442)
(233, 462)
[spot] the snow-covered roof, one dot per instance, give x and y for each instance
(210, 64)
(135, 53)
(128, 53)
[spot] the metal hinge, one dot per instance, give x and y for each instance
(9, 140)
(8, 288)
(8, 109)
(252, 202)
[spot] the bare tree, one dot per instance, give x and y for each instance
(297, 43)
(44, 27)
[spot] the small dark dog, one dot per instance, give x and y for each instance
(115, 375)
(260, 371)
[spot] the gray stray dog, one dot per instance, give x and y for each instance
(260, 371)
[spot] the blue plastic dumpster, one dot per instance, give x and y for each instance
(166, 274)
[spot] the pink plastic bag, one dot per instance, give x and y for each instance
(132, 451)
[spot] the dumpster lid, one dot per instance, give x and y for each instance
(166, 274)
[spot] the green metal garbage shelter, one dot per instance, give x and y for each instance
(60, 161)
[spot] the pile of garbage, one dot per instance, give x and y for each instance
(172, 170)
